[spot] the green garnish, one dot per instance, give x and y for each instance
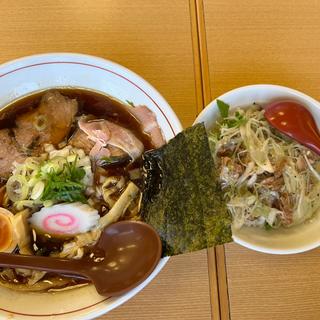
(130, 103)
(223, 108)
(236, 121)
(267, 226)
(106, 161)
(65, 185)
(110, 160)
(230, 121)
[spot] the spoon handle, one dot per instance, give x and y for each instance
(58, 265)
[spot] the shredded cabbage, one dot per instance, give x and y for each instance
(268, 180)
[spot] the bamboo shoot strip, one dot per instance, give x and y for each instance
(120, 206)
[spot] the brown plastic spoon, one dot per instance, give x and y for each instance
(125, 255)
(295, 121)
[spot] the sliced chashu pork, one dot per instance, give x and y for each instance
(49, 123)
(80, 140)
(97, 146)
(149, 124)
(9, 153)
(107, 136)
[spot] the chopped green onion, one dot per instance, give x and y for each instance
(17, 188)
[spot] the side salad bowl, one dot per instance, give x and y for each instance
(295, 239)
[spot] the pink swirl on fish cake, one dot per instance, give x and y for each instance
(61, 223)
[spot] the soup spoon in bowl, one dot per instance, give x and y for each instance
(295, 121)
(125, 255)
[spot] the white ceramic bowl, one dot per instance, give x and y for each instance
(282, 241)
(30, 74)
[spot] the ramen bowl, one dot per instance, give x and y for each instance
(295, 239)
(31, 74)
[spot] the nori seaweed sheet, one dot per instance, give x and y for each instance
(181, 198)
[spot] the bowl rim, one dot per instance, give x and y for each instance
(252, 87)
(141, 84)
(286, 90)
(102, 64)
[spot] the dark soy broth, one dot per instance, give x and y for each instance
(90, 102)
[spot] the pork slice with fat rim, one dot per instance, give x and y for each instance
(105, 133)
(149, 124)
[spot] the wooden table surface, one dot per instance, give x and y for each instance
(192, 51)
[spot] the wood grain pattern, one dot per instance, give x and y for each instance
(252, 41)
(274, 287)
(276, 42)
(203, 92)
(153, 38)
(216, 261)
(178, 292)
(224, 306)
(197, 60)
(214, 284)
(203, 52)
